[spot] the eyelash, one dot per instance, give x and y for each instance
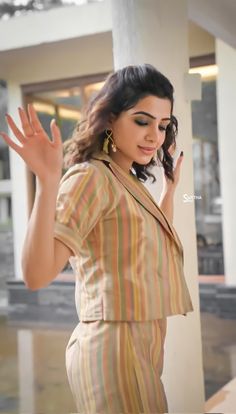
(143, 123)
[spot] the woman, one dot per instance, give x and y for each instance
(127, 257)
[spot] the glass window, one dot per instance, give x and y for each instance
(64, 105)
(206, 175)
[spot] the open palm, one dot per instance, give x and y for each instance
(43, 156)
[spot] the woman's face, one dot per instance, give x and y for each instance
(140, 131)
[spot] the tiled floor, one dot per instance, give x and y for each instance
(33, 377)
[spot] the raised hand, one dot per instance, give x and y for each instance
(169, 185)
(43, 156)
(166, 202)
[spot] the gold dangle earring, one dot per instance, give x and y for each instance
(106, 142)
(113, 145)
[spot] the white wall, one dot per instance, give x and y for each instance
(59, 60)
(200, 42)
(52, 25)
(216, 16)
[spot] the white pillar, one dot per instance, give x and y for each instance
(18, 183)
(3, 210)
(156, 32)
(226, 98)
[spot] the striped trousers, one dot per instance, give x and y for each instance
(115, 367)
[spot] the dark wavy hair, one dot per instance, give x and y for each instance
(121, 91)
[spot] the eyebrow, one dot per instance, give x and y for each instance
(150, 116)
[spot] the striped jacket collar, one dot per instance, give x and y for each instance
(141, 194)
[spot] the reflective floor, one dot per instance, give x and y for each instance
(219, 351)
(32, 368)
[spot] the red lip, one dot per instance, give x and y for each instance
(147, 148)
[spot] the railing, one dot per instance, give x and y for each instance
(14, 8)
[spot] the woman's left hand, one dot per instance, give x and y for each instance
(168, 184)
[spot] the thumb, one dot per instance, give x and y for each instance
(56, 133)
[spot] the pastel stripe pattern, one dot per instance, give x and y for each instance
(116, 367)
(128, 259)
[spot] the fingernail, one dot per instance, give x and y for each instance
(182, 153)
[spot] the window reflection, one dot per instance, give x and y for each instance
(64, 105)
(206, 175)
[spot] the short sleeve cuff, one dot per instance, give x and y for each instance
(67, 236)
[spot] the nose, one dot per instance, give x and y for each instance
(155, 136)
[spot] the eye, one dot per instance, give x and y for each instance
(140, 122)
(162, 128)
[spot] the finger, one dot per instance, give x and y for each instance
(34, 120)
(178, 163)
(56, 134)
(11, 143)
(27, 128)
(180, 157)
(16, 131)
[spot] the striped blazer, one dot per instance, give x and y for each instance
(128, 259)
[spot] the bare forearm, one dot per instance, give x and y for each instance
(167, 204)
(38, 248)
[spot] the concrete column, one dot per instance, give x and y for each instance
(18, 184)
(226, 98)
(3, 210)
(155, 31)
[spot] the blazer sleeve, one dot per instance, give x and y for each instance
(81, 200)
